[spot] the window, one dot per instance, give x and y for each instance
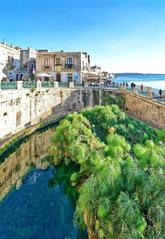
(83, 65)
(58, 61)
(10, 59)
(89, 59)
(16, 77)
(58, 77)
(70, 77)
(69, 61)
(47, 62)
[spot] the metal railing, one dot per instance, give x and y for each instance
(47, 84)
(8, 85)
(63, 84)
(49, 67)
(29, 84)
(69, 66)
(79, 84)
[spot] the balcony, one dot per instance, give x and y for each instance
(58, 64)
(46, 67)
(69, 66)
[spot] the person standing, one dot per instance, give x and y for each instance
(142, 87)
(11, 77)
(160, 93)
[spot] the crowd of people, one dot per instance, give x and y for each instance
(141, 87)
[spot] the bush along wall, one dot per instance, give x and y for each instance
(109, 98)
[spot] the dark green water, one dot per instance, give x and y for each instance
(33, 210)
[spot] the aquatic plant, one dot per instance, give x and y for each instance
(120, 180)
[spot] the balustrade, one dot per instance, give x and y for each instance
(8, 85)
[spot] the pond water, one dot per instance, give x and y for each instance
(29, 208)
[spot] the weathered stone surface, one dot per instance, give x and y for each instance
(22, 108)
(148, 110)
(25, 107)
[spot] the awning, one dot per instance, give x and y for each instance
(44, 75)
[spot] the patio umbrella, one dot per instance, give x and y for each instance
(44, 75)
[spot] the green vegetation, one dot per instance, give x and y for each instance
(62, 175)
(113, 98)
(103, 118)
(108, 98)
(118, 173)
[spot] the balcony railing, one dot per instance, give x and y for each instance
(69, 66)
(47, 67)
(58, 64)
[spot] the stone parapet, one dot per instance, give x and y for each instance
(19, 85)
(56, 84)
(146, 109)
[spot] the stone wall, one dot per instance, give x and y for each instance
(22, 108)
(148, 110)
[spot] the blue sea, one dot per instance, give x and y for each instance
(156, 81)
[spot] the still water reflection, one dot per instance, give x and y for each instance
(33, 210)
(15, 166)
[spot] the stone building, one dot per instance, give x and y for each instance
(95, 75)
(63, 66)
(9, 59)
(96, 69)
(28, 61)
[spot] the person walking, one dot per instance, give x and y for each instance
(134, 86)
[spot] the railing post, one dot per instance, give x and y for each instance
(55, 84)
(19, 85)
(149, 92)
(136, 91)
(71, 84)
(39, 84)
(86, 84)
(163, 93)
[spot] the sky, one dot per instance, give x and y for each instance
(120, 35)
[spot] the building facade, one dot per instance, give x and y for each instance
(9, 59)
(63, 66)
(28, 61)
(96, 69)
